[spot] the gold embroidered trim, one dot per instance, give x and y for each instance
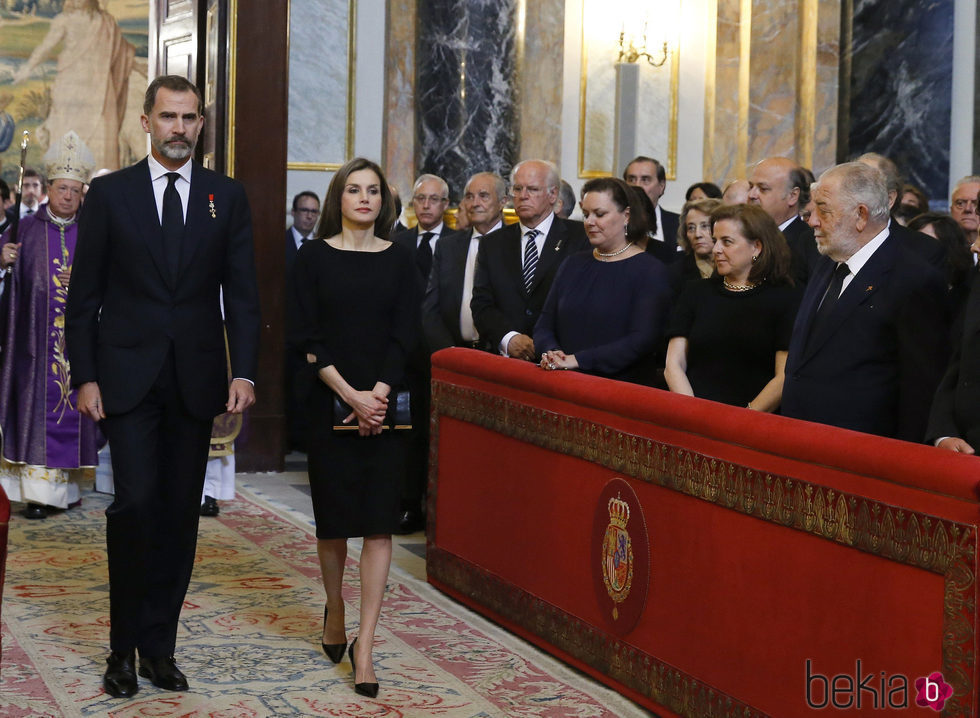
(896, 533)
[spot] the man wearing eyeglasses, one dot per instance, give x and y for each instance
(306, 211)
(430, 198)
(963, 206)
(516, 264)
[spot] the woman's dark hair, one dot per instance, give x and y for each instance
(710, 189)
(624, 197)
(704, 206)
(330, 220)
(773, 263)
(959, 263)
(922, 202)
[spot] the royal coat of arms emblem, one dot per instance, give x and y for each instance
(620, 556)
(617, 554)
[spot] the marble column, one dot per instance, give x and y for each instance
(399, 135)
(898, 80)
(772, 88)
(467, 118)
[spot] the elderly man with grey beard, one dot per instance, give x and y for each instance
(869, 343)
(160, 245)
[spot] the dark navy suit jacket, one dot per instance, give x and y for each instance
(875, 364)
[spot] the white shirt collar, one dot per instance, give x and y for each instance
(437, 230)
(787, 223)
(861, 257)
(494, 228)
(157, 170)
(544, 226)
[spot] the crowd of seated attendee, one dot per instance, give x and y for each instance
(743, 283)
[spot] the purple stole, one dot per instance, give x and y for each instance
(62, 418)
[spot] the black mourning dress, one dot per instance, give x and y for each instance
(733, 337)
(357, 311)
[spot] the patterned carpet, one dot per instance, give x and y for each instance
(249, 637)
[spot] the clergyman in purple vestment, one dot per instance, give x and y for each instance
(47, 444)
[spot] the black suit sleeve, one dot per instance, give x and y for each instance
(942, 415)
(437, 334)
(923, 332)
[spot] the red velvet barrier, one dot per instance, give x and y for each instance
(703, 559)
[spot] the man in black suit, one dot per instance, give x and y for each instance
(516, 264)
(430, 198)
(649, 175)
(780, 187)
(922, 244)
(954, 420)
(869, 342)
(447, 319)
(305, 212)
(159, 243)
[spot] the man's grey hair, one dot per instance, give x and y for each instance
(554, 179)
(861, 184)
(499, 184)
(566, 196)
(969, 179)
(893, 178)
(427, 178)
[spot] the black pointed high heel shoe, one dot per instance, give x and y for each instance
(333, 651)
(363, 689)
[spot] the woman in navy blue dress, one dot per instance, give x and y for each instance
(607, 308)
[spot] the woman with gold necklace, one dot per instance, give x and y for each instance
(729, 334)
(607, 308)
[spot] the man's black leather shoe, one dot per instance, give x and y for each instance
(34, 511)
(119, 680)
(163, 673)
(210, 507)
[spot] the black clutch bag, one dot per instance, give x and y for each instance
(398, 417)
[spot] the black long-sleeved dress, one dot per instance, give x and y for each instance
(357, 311)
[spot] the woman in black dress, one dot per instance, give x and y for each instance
(729, 334)
(357, 317)
(606, 310)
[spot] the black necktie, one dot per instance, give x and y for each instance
(830, 297)
(423, 255)
(30, 211)
(173, 224)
